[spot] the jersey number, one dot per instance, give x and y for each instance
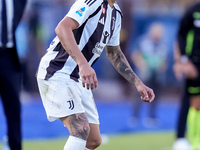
(90, 2)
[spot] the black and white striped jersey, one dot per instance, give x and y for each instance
(99, 25)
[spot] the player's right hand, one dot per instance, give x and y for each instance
(88, 76)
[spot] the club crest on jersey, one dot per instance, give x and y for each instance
(80, 12)
(103, 10)
(98, 49)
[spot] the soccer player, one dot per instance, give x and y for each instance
(189, 65)
(65, 76)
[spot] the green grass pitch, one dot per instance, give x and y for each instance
(132, 141)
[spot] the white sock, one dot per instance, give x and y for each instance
(87, 149)
(74, 143)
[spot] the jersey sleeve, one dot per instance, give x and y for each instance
(115, 39)
(82, 9)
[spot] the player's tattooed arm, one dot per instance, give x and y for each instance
(120, 63)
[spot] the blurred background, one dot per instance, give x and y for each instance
(118, 103)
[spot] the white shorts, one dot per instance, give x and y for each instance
(62, 96)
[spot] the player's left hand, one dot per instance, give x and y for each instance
(147, 94)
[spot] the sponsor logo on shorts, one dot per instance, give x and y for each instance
(80, 12)
(71, 104)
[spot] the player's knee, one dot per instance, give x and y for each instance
(94, 143)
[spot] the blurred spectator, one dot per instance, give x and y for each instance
(187, 65)
(10, 75)
(150, 60)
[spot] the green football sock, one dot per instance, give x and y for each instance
(193, 122)
(198, 129)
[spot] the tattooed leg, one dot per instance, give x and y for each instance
(77, 125)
